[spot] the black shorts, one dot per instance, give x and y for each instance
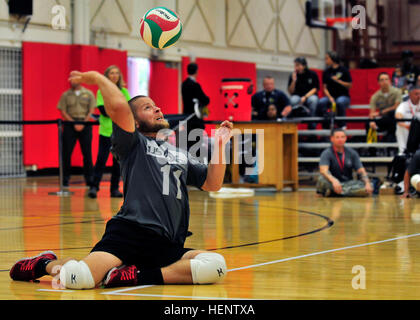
(133, 244)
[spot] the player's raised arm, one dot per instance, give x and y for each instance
(217, 166)
(115, 103)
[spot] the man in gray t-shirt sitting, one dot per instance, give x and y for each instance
(336, 170)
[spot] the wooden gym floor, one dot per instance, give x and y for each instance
(286, 245)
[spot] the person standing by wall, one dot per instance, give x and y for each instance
(192, 92)
(77, 104)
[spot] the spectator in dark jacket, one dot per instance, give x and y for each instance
(192, 93)
(269, 95)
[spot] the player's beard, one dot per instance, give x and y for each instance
(152, 128)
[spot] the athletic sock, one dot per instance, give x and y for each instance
(41, 268)
(149, 276)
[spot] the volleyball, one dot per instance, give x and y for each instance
(160, 28)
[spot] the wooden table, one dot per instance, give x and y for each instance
(277, 151)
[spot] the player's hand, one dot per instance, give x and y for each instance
(89, 77)
(369, 188)
(405, 195)
(79, 127)
(337, 187)
(294, 76)
(286, 111)
(373, 125)
(224, 133)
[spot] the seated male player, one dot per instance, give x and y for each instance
(336, 170)
(144, 242)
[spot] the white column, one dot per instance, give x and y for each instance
(220, 27)
(81, 22)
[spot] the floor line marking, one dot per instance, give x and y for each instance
(128, 289)
(120, 292)
(55, 290)
(326, 251)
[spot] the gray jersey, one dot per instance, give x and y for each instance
(334, 161)
(155, 176)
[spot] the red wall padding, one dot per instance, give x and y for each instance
(210, 74)
(164, 86)
(365, 83)
(46, 69)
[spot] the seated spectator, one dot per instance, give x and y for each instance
(407, 110)
(336, 170)
(409, 70)
(336, 84)
(303, 87)
(269, 95)
(412, 175)
(382, 107)
(398, 80)
(272, 112)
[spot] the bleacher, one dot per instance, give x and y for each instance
(375, 156)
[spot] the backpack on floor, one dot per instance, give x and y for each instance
(396, 169)
(413, 141)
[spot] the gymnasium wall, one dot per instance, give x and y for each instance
(269, 33)
(46, 68)
(163, 86)
(256, 34)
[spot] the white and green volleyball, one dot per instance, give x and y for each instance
(160, 27)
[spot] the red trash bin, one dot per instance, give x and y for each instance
(236, 97)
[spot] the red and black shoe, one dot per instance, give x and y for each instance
(124, 276)
(28, 269)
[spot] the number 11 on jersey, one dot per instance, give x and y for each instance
(166, 170)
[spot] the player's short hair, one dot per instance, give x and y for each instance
(302, 61)
(192, 68)
(268, 77)
(383, 73)
(333, 131)
(334, 56)
(132, 104)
